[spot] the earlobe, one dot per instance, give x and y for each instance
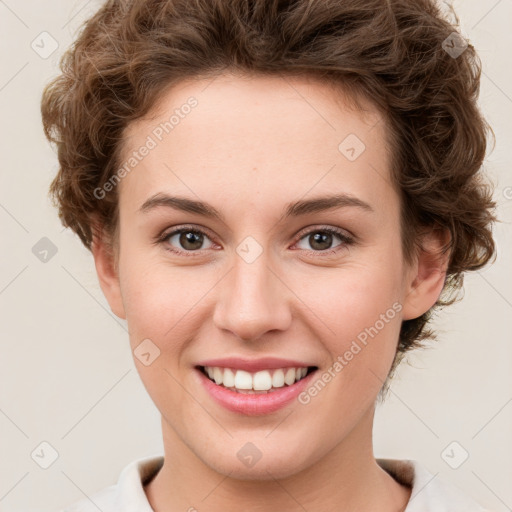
(428, 275)
(108, 274)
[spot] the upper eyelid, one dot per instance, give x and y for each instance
(324, 227)
(174, 231)
(300, 234)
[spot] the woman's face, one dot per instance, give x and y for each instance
(262, 278)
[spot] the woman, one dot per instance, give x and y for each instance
(277, 196)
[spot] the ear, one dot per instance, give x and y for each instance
(427, 275)
(106, 268)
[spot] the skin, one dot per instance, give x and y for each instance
(249, 147)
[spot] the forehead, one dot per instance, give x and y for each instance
(250, 136)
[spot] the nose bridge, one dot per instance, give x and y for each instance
(254, 298)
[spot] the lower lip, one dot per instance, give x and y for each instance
(251, 404)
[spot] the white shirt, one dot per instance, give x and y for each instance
(428, 493)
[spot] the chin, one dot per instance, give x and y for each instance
(262, 471)
(250, 463)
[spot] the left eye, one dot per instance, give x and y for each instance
(320, 238)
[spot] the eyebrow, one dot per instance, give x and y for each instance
(295, 209)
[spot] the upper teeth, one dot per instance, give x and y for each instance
(258, 381)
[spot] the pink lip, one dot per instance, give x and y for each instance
(253, 365)
(250, 404)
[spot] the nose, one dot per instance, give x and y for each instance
(254, 300)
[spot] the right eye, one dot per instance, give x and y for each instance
(188, 240)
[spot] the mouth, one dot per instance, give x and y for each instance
(256, 383)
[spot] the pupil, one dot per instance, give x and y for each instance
(190, 240)
(321, 237)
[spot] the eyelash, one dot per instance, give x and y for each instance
(345, 239)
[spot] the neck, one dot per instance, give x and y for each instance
(347, 478)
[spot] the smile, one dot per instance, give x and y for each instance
(254, 393)
(266, 381)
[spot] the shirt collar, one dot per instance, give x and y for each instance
(130, 495)
(428, 491)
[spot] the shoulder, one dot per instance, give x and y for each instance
(127, 494)
(103, 500)
(428, 491)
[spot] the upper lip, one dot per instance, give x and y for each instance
(253, 365)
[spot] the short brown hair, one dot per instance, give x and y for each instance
(390, 52)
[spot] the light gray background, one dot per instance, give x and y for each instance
(67, 375)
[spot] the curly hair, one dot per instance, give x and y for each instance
(393, 53)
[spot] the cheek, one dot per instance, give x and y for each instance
(161, 304)
(351, 298)
(160, 301)
(361, 324)
(359, 308)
